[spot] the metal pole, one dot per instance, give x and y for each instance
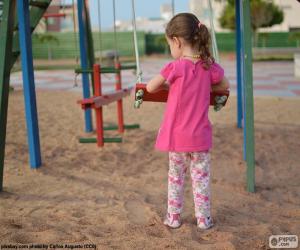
(242, 77)
(28, 83)
(84, 62)
(239, 62)
(98, 111)
(6, 37)
(118, 86)
(249, 106)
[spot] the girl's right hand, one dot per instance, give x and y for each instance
(222, 85)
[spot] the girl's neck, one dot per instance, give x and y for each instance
(190, 54)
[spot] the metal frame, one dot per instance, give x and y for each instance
(28, 84)
(84, 61)
(6, 38)
(245, 105)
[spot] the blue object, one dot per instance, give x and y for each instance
(241, 71)
(28, 83)
(239, 61)
(84, 62)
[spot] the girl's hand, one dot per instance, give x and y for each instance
(222, 85)
(157, 83)
(165, 86)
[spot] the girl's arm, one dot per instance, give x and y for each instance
(222, 85)
(156, 84)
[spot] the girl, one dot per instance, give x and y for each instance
(186, 130)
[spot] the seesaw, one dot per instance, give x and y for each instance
(218, 99)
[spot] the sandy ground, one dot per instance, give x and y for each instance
(115, 197)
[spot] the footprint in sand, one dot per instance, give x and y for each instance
(137, 212)
(78, 214)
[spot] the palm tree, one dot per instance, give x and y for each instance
(48, 39)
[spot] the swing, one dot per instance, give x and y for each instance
(218, 99)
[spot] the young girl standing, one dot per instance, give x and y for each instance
(186, 131)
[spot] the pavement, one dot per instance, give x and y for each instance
(274, 78)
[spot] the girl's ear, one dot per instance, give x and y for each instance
(177, 41)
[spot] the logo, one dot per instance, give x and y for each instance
(283, 241)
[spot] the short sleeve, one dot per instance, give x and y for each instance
(169, 72)
(216, 73)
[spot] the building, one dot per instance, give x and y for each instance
(291, 10)
(150, 25)
(166, 11)
(201, 9)
(59, 24)
(291, 22)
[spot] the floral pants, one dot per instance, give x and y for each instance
(200, 174)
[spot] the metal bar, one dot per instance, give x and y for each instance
(89, 39)
(28, 84)
(6, 36)
(94, 140)
(118, 86)
(98, 110)
(126, 126)
(54, 15)
(84, 63)
(243, 72)
(249, 106)
(106, 70)
(83, 71)
(128, 66)
(239, 62)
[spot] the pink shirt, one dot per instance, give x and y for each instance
(185, 126)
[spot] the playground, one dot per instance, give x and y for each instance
(114, 195)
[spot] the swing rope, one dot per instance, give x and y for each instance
(100, 31)
(116, 56)
(213, 33)
(75, 32)
(75, 41)
(136, 49)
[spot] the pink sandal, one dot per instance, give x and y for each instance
(172, 220)
(204, 223)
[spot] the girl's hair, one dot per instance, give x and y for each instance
(188, 27)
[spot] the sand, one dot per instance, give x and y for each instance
(115, 197)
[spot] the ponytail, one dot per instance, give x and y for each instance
(188, 27)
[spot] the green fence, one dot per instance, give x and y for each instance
(155, 43)
(62, 45)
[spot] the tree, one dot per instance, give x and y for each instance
(264, 13)
(295, 36)
(47, 39)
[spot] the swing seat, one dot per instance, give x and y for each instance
(218, 99)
